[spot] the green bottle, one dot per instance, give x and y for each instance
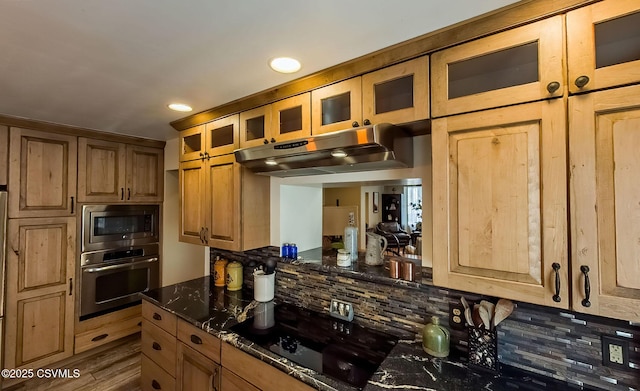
(435, 338)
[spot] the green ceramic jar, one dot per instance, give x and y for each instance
(435, 338)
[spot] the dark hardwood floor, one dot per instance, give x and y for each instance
(114, 369)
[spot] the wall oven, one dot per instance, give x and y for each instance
(119, 258)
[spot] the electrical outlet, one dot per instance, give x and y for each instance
(456, 316)
(615, 351)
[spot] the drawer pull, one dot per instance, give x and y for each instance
(196, 340)
(99, 337)
(556, 268)
(156, 346)
(155, 385)
(587, 286)
(157, 316)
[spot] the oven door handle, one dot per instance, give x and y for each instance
(119, 266)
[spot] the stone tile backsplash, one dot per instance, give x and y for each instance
(561, 344)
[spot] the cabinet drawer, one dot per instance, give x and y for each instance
(159, 346)
(199, 340)
(232, 382)
(159, 317)
(257, 372)
(154, 378)
(108, 333)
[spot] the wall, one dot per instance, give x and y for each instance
(180, 261)
(301, 216)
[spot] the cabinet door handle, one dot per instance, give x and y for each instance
(156, 346)
(201, 234)
(366, 122)
(273, 140)
(214, 379)
(73, 205)
(157, 316)
(122, 194)
(556, 268)
(202, 156)
(206, 235)
(128, 193)
(155, 385)
(99, 337)
(265, 141)
(587, 286)
(196, 340)
(582, 81)
(206, 154)
(553, 87)
(70, 286)
(355, 124)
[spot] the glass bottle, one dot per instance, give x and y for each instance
(351, 238)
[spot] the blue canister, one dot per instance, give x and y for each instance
(293, 251)
(286, 247)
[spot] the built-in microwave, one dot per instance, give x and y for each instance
(119, 226)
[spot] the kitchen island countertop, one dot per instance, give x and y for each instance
(407, 367)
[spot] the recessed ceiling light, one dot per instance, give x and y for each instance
(270, 162)
(285, 64)
(179, 107)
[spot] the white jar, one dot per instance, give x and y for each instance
(344, 257)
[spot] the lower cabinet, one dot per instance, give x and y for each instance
(196, 372)
(107, 328)
(232, 382)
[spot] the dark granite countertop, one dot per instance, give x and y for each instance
(407, 367)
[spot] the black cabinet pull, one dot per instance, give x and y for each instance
(70, 286)
(139, 323)
(202, 156)
(73, 205)
(556, 268)
(99, 337)
(553, 87)
(155, 385)
(265, 141)
(196, 340)
(122, 194)
(214, 379)
(128, 193)
(355, 124)
(157, 316)
(582, 81)
(587, 286)
(156, 346)
(273, 140)
(366, 122)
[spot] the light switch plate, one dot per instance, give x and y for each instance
(615, 352)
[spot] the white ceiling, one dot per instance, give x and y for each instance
(114, 65)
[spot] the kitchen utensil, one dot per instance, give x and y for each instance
(485, 316)
(270, 266)
(376, 245)
(490, 309)
(504, 308)
(475, 315)
(467, 311)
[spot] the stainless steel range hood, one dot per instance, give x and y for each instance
(373, 147)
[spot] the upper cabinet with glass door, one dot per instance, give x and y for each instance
(337, 106)
(291, 118)
(603, 45)
(255, 127)
(520, 65)
(219, 137)
(397, 94)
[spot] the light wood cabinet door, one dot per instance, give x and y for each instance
(4, 154)
(101, 172)
(337, 106)
(397, 94)
(520, 65)
(222, 136)
(500, 203)
(145, 174)
(42, 174)
(40, 291)
(192, 143)
(291, 118)
(193, 201)
(604, 134)
(223, 191)
(255, 127)
(195, 372)
(602, 45)
(231, 382)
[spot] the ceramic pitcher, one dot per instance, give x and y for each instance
(376, 245)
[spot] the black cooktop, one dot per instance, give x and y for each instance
(341, 350)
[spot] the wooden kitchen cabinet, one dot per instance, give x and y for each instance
(603, 45)
(218, 137)
(40, 291)
(500, 203)
(159, 349)
(256, 372)
(223, 205)
(291, 118)
(523, 64)
(196, 372)
(4, 154)
(604, 134)
(232, 382)
(103, 329)
(116, 172)
(255, 127)
(397, 94)
(42, 174)
(337, 106)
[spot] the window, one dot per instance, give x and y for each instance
(413, 195)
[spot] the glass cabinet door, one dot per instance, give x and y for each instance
(520, 65)
(397, 94)
(337, 106)
(255, 127)
(603, 45)
(222, 136)
(291, 118)
(192, 143)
